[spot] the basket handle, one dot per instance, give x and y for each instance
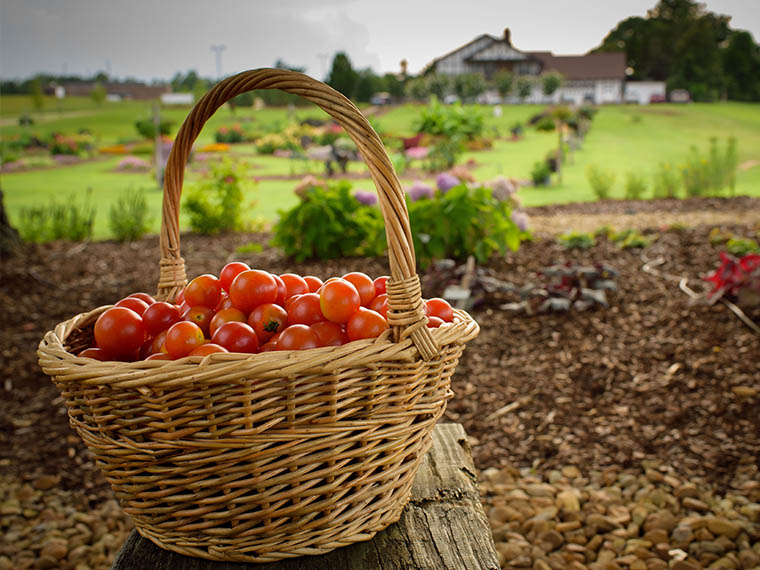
(406, 313)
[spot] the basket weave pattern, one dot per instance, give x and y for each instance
(256, 458)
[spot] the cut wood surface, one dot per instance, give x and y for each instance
(442, 528)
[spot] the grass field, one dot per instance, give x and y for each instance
(622, 138)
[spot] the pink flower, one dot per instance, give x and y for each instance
(417, 152)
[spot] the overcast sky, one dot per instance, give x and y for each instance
(156, 38)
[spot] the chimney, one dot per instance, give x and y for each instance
(507, 37)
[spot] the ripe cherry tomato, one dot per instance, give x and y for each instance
(208, 348)
(380, 284)
(182, 338)
(297, 337)
(305, 310)
(267, 320)
(236, 337)
(144, 297)
(329, 334)
(365, 323)
(204, 291)
(137, 305)
(180, 298)
(314, 283)
(119, 331)
(363, 285)
(201, 316)
(226, 316)
(95, 353)
(230, 271)
(253, 288)
(159, 356)
(338, 300)
(224, 302)
(294, 284)
(380, 305)
(440, 308)
(282, 291)
(434, 322)
(159, 316)
(157, 343)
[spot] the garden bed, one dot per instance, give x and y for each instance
(652, 378)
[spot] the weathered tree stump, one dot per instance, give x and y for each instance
(442, 528)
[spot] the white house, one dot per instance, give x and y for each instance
(593, 78)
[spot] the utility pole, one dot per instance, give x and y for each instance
(218, 49)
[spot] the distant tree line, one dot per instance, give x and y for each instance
(688, 47)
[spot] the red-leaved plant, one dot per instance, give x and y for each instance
(738, 277)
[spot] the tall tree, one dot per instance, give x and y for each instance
(342, 76)
(741, 66)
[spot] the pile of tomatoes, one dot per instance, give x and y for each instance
(248, 310)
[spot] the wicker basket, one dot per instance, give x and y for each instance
(256, 458)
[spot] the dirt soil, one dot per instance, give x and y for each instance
(653, 376)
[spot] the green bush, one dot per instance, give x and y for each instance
(214, 204)
(541, 173)
(462, 222)
(666, 182)
(71, 221)
(233, 134)
(601, 181)
(635, 186)
(709, 175)
(444, 154)
(451, 120)
(329, 223)
(147, 129)
(545, 124)
(129, 217)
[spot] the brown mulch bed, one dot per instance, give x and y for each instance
(653, 376)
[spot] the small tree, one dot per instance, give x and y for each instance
(550, 82)
(439, 85)
(98, 93)
(504, 81)
(342, 76)
(35, 89)
(524, 86)
(468, 86)
(417, 88)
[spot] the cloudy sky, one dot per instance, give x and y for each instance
(156, 38)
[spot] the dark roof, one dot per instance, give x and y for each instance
(590, 66)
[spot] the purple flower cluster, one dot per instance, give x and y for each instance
(365, 197)
(446, 182)
(521, 220)
(419, 191)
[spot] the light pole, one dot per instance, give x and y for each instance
(218, 49)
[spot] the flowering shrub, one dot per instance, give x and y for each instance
(73, 144)
(366, 198)
(737, 277)
(133, 164)
(233, 134)
(451, 120)
(711, 174)
(420, 191)
(273, 141)
(446, 182)
(417, 152)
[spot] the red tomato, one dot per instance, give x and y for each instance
(338, 300)
(137, 305)
(440, 308)
(157, 343)
(159, 356)
(119, 331)
(380, 284)
(201, 316)
(236, 337)
(95, 353)
(253, 288)
(363, 285)
(289, 302)
(205, 291)
(226, 316)
(267, 320)
(314, 283)
(365, 323)
(434, 322)
(160, 316)
(380, 305)
(143, 297)
(305, 310)
(329, 334)
(182, 338)
(282, 291)
(208, 348)
(230, 271)
(297, 337)
(224, 302)
(294, 284)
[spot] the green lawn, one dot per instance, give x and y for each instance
(622, 138)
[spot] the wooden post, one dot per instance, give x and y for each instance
(442, 528)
